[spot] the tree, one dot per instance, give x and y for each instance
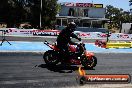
(12, 12)
(49, 11)
(117, 16)
(130, 2)
(16, 11)
(3, 10)
(110, 15)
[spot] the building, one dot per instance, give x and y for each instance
(126, 28)
(87, 16)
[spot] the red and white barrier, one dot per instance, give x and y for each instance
(27, 32)
(99, 35)
(85, 35)
(46, 32)
(31, 32)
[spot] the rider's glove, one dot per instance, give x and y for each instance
(79, 39)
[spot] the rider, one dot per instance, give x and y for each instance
(64, 39)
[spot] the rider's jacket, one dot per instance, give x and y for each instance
(64, 37)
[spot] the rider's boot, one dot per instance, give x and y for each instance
(66, 59)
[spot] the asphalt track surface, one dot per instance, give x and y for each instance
(28, 70)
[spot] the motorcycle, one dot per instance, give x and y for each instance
(78, 55)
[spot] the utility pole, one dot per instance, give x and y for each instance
(41, 13)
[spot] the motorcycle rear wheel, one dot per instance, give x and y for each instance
(50, 57)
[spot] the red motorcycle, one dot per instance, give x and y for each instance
(78, 56)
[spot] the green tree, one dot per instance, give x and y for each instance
(3, 10)
(117, 17)
(16, 11)
(130, 2)
(110, 15)
(48, 12)
(11, 12)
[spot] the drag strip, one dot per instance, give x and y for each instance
(28, 70)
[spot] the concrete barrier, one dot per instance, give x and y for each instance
(119, 45)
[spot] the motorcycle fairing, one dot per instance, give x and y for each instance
(54, 47)
(89, 54)
(72, 48)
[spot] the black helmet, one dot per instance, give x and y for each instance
(72, 26)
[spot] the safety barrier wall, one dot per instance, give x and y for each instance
(14, 31)
(29, 32)
(87, 35)
(119, 45)
(99, 35)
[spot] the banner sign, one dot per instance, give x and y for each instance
(98, 5)
(70, 4)
(25, 32)
(121, 36)
(46, 32)
(83, 5)
(99, 35)
(85, 35)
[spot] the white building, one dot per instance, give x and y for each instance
(88, 16)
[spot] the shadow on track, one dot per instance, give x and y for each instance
(61, 68)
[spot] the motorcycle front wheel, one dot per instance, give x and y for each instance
(89, 63)
(50, 57)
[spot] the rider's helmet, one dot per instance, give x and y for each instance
(71, 26)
